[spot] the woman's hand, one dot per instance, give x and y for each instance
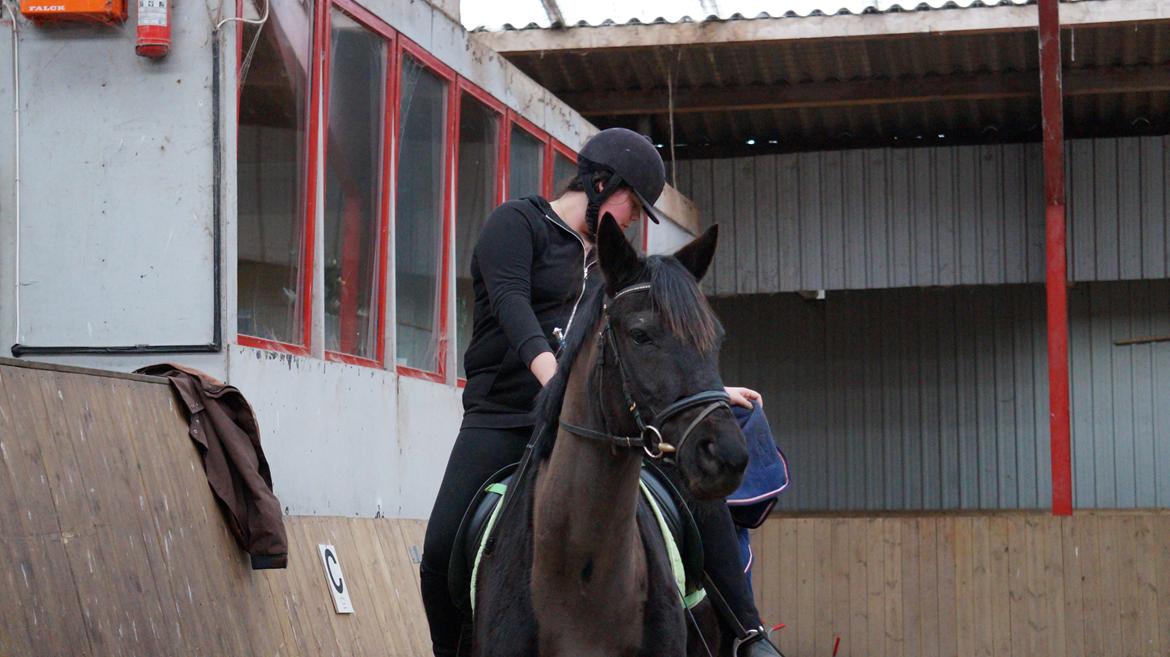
(543, 367)
(744, 396)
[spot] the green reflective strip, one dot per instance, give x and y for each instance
(676, 565)
(695, 598)
(498, 489)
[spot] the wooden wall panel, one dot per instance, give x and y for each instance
(111, 543)
(988, 584)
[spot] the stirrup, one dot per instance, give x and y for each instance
(757, 635)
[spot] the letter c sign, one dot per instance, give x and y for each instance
(337, 587)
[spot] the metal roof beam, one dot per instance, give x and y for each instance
(1001, 18)
(553, 11)
(854, 93)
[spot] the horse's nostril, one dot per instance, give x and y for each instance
(709, 448)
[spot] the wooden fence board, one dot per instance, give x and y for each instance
(112, 544)
(981, 584)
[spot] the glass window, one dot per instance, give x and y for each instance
(418, 230)
(564, 170)
(353, 187)
(479, 128)
(526, 164)
(272, 176)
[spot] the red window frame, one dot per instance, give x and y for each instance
(377, 26)
(465, 86)
(408, 47)
(398, 46)
(309, 225)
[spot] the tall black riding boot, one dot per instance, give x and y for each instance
(725, 570)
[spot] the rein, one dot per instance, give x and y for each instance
(649, 437)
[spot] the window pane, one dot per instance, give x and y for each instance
(353, 187)
(479, 128)
(564, 170)
(272, 165)
(526, 164)
(418, 230)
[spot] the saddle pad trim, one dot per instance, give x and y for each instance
(676, 564)
(501, 490)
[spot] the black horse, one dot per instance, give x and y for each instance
(579, 570)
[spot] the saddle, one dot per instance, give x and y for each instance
(659, 497)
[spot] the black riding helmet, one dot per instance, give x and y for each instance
(631, 160)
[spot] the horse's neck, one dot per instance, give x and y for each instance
(589, 571)
(586, 499)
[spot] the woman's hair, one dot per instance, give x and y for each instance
(574, 184)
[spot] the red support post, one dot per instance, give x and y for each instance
(1057, 279)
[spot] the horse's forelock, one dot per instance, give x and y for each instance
(676, 297)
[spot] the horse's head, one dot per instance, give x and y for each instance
(662, 356)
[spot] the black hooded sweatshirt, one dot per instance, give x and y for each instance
(528, 270)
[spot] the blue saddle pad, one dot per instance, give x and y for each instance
(767, 470)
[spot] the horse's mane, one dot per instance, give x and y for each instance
(552, 396)
(674, 294)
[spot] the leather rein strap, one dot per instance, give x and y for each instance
(649, 437)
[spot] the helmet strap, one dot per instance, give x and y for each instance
(597, 198)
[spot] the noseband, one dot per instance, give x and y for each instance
(650, 436)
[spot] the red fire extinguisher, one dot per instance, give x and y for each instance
(154, 28)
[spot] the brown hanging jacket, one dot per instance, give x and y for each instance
(224, 429)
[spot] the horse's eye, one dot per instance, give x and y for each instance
(639, 336)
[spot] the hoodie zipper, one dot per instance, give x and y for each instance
(585, 265)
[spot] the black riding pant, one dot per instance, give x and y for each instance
(722, 560)
(479, 453)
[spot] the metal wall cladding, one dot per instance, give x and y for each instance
(970, 215)
(915, 399)
(1120, 395)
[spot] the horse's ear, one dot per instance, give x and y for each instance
(619, 260)
(697, 255)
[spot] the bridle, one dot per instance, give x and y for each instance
(650, 436)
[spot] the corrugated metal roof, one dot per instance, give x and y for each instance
(610, 85)
(530, 14)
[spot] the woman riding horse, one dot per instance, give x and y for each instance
(530, 269)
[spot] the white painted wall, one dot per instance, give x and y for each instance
(348, 440)
(115, 216)
(428, 421)
(327, 428)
